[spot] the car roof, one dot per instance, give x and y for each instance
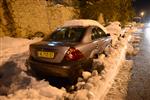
(84, 23)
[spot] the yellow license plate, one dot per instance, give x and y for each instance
(45, 54)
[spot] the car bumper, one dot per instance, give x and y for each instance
(57, 70)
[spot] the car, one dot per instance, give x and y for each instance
(69, 50)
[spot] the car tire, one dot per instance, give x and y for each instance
(96, 65)
(73, 78)
(33, 72)
(30, 71)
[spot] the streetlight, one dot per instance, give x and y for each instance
(142, 13)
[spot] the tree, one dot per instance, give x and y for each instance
(126, 11)
(112, 9)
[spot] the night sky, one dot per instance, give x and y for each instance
(142, 5)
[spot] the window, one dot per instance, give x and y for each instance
(67, 34)
(95, 35)
(101, 32)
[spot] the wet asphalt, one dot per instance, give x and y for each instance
(139, 85)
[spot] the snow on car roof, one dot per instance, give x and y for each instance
(83, 22)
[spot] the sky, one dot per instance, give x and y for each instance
(142, 5)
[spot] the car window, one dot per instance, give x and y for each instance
(67, 34)
(101, 32)
(94, 34)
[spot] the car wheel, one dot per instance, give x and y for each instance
(96, 64)
(33, 72)
(74, 77)
(30, 71)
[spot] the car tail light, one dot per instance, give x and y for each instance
(73, 54)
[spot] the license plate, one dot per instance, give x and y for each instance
(45, 54)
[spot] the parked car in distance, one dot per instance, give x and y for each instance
(69, 50)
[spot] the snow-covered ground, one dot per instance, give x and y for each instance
(15, 84)
(11, 46)
(121, 88)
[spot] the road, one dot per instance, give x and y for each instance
(133, 80)
(139, 85)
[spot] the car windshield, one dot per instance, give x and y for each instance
(67, 34)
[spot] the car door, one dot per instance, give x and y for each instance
(91, 43)
(100, 39)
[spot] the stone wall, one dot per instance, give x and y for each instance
(7, 26)
(30, 16)
(59, 14)
(2, 33)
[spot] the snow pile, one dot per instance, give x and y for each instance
(24, 87)
(133, 46)
(131, 30)
(131, 27)
(115, 30)
(119, 88)
(10, 46)
(14, 82)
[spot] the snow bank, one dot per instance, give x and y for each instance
(10, 46)
(25, 87)
(14, 82)
(133, 46)
(119, 88)
(115, 30)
